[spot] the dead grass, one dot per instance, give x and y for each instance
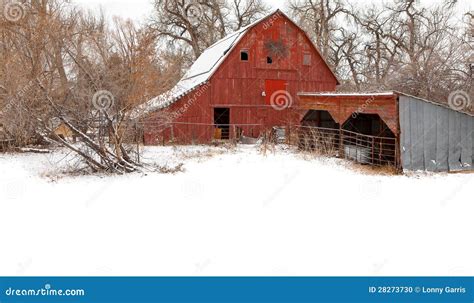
(203, 154)
(374, 170)
(170, 169)
(463, 172)
(70, 172)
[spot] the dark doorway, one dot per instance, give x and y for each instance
(319, 118)
(368, 124)
(222, 123)
(368, 140)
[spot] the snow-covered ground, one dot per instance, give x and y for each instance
(235, 212)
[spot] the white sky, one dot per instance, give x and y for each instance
(138, 10)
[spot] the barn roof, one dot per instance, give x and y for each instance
(346, 94)
(205, 66)
(199, 73)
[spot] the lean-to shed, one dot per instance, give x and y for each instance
(428, 135)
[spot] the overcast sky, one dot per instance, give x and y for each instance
(137, 10)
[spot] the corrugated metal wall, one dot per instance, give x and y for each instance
(435, 138)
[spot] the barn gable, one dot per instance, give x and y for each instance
(212, 59)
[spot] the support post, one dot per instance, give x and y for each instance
(341, 142)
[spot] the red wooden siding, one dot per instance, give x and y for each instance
(272, 87)
(239, 85)
(342, 108)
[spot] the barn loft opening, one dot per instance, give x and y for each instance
(222, 123)
(244, 55)
(368, 124)
(319, 118)
(269, 60)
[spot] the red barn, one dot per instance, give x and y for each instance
(246, 82)
(270, 74)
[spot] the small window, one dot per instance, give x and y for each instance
(244, 55)
(269, 60)
(307, 59)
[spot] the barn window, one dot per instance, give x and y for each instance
(269, 60)
(244, 55)
(307, 59)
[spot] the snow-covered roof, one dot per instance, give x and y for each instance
(345, 94)
(199, 73)
(202, 69)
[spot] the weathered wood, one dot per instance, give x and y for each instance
(239, 85)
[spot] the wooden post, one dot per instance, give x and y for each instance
(396, 154)
(234, 134)
(172, 133)
(341, 142)
(373, 150)
(381, 151)
(289, 135)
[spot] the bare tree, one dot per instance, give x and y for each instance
(198, 24)
(60, 65)
(433, 51)
(67, 67)
(319, 19)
